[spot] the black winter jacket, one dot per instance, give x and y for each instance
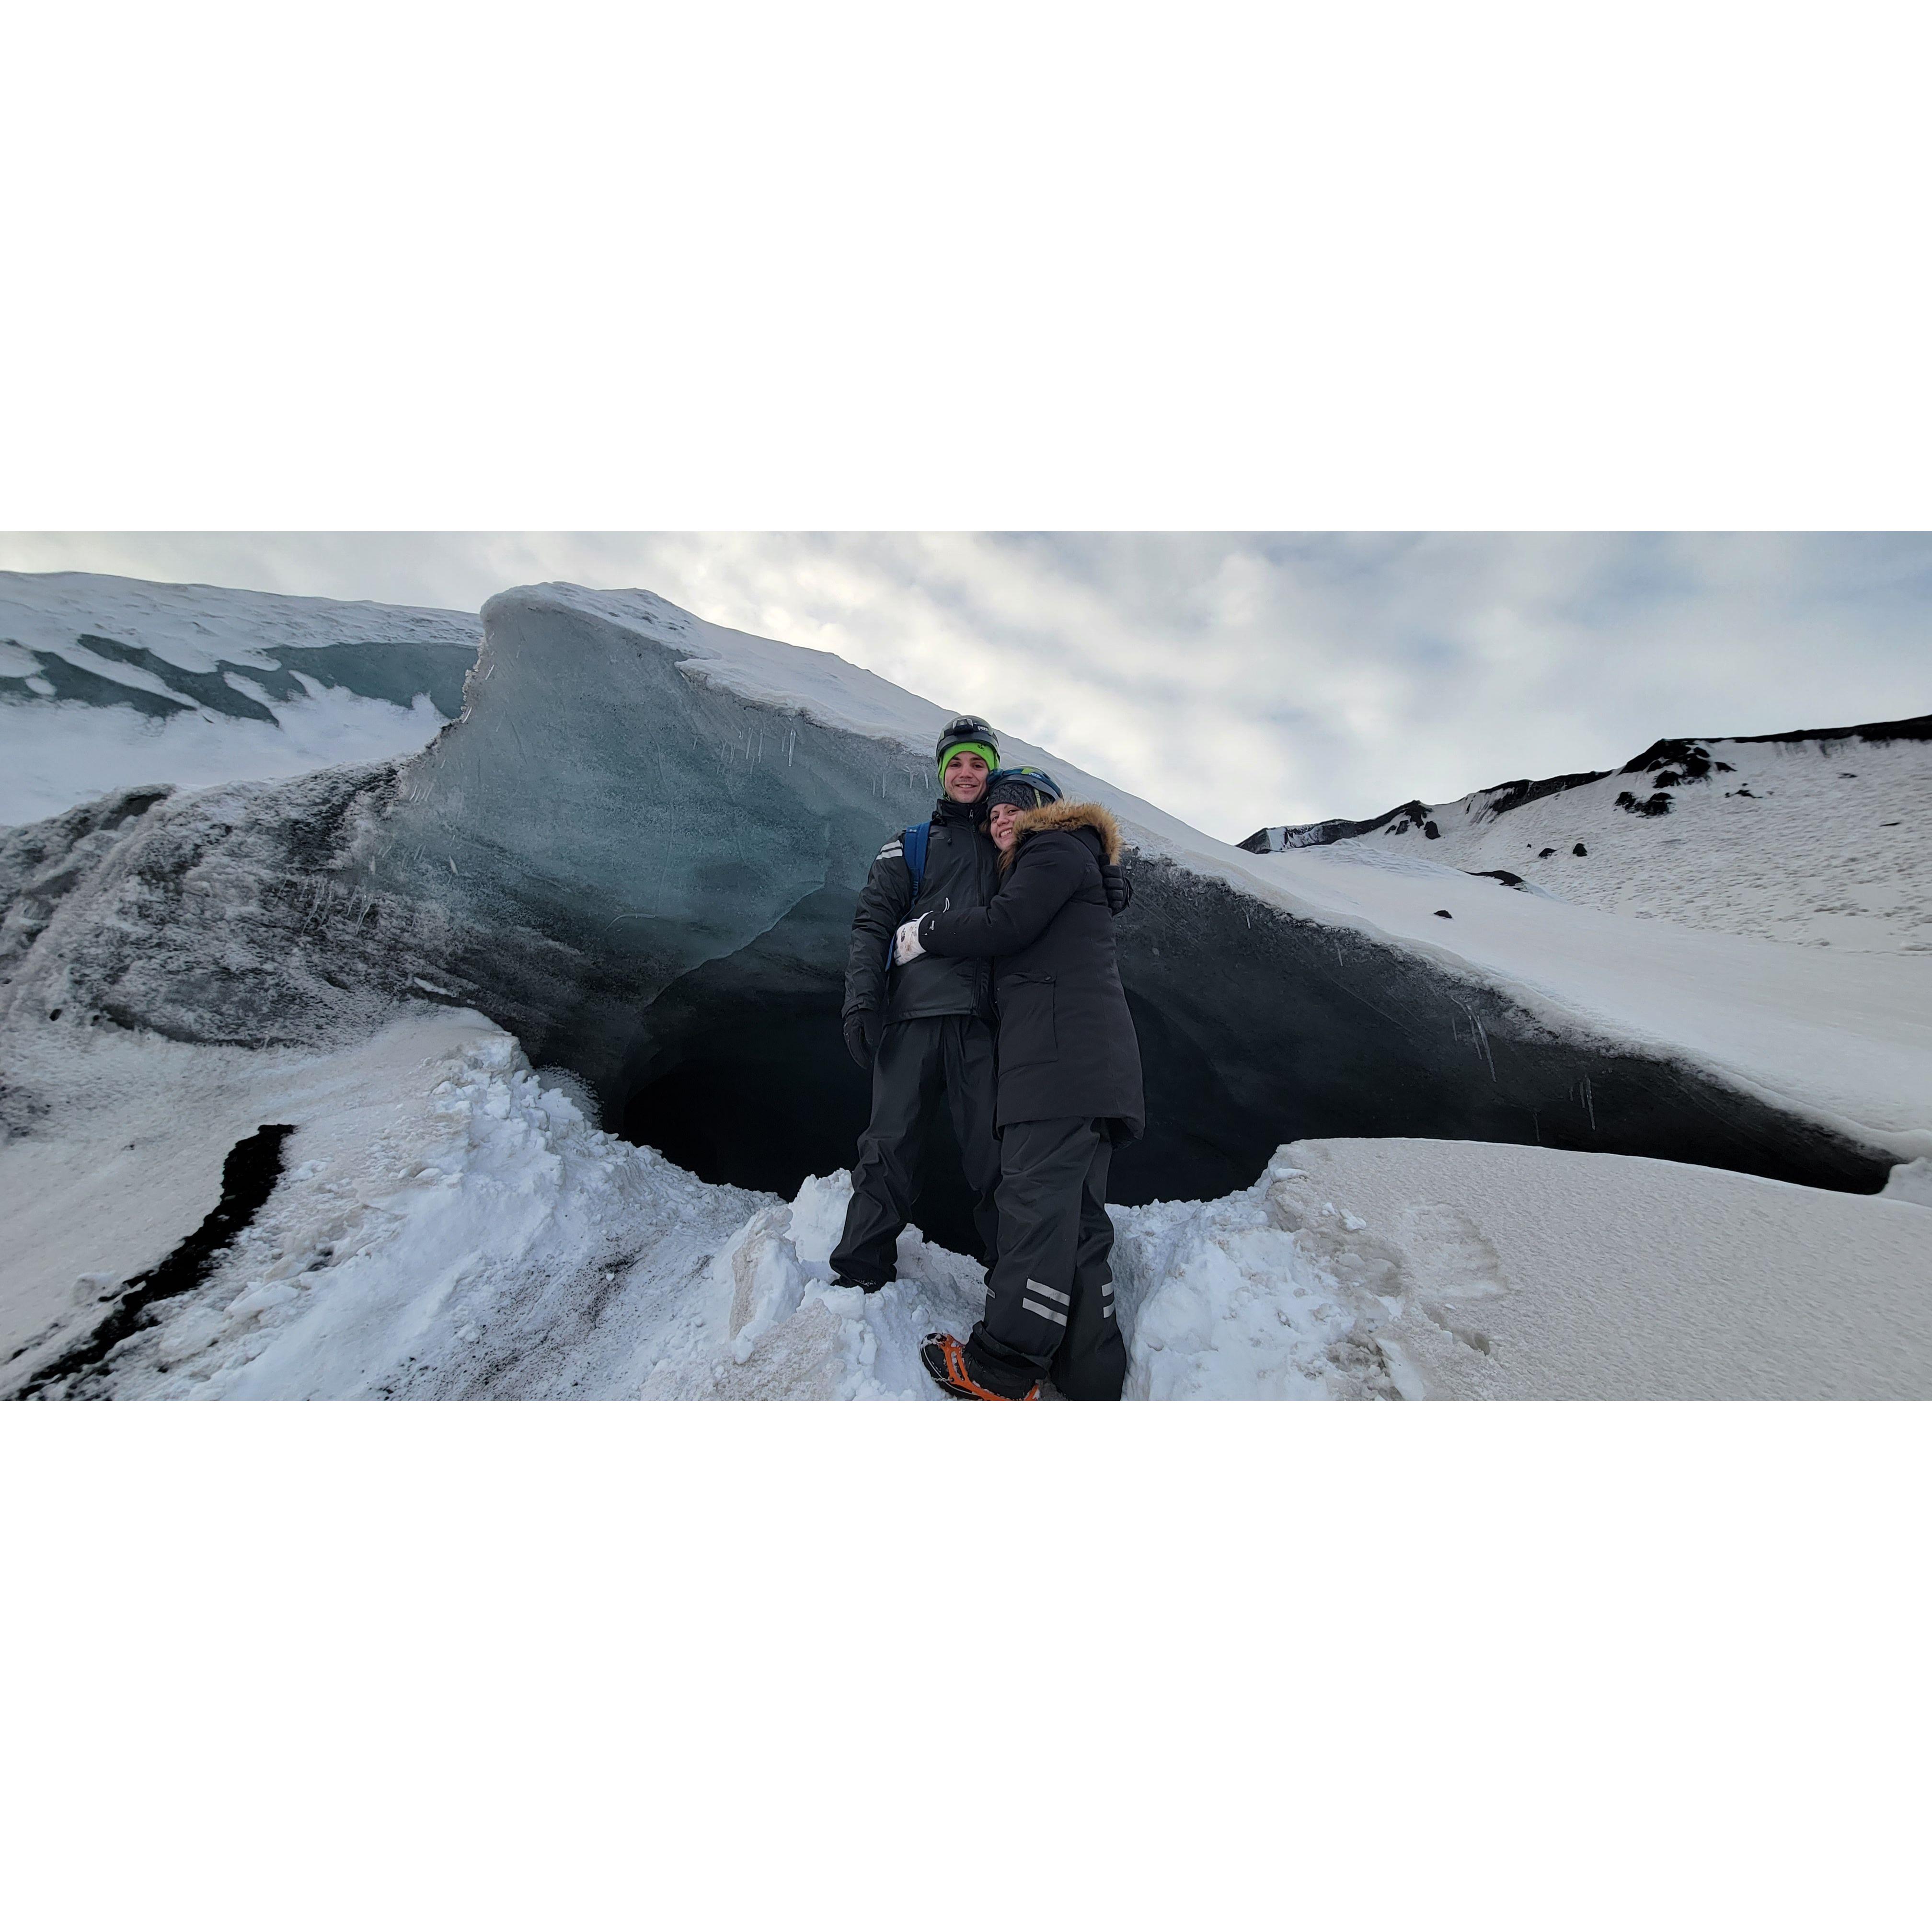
(1066, 1044)
(962, 868)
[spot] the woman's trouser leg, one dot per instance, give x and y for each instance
(1052, 1264)
(1092, 1364)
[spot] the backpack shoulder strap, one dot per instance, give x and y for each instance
(914, 840)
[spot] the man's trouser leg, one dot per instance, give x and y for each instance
(971, 1091)
(891, 1163)
(1049, 1311)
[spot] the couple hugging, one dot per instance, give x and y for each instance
(982, 963)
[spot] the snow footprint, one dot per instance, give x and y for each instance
(1450, 1260)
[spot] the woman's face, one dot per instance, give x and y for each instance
(1003, 822)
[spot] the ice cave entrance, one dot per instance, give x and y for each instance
(759, 1092)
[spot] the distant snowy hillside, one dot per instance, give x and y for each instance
(106, 681)
(1818, 837)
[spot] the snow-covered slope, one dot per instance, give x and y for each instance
(1822, 839)
(106, 681)
(450, 1225)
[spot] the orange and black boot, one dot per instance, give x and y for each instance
(945, 1362)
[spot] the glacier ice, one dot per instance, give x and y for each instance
(637, 849)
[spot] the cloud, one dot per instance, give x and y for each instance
(1235, 680)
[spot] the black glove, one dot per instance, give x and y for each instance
(862, 1036)
(1119, 889)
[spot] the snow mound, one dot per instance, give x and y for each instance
(1910, 1181)
(448, 1223)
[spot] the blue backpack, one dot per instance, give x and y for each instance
(914, 840)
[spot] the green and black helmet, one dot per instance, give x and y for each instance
(966, 733)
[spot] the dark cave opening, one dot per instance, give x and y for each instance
(739, 1072)
(763, 1094)
(758, 1090)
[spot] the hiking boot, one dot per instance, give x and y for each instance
(854, 1281)
(945, 1362)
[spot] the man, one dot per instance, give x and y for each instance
(927, 1026)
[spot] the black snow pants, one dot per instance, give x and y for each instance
(916, 1058)
(1050, 1298)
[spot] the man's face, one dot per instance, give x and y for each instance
(965, 777)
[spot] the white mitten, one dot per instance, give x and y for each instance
(905, 943)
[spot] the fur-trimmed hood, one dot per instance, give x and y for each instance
(1068, 816)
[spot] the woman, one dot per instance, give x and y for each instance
(1069, 1089)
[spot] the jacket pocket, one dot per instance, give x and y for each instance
(1026, 1033)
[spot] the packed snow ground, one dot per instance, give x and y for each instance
(1824, 842)
(59, 752)
(451, 1224)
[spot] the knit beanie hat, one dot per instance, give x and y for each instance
(1025, 786)
(986, 752)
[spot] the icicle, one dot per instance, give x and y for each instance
(1483, 1038)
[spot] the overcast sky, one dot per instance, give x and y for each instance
(1236, 681)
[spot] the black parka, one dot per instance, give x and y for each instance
(1066, 1044)
(962, 868)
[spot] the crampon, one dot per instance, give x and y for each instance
(945, 1362)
